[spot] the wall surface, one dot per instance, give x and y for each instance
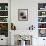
(32, 6)
(32, 13)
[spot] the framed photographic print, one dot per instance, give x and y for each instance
(42, 32)
(23, 14)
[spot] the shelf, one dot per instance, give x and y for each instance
(4, 19)
(42, 19)
(42, 37)
(42, 16)
(3, 10)
(41, 10)
(41, 22)
(41, 28)
(3, 22)
(3, 16)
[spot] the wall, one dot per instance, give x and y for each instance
(32, 13)
(3, 1)
(32, 6)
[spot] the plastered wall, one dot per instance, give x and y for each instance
(32, 6)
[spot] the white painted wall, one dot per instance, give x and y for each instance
(32, 13)
(32, 6)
